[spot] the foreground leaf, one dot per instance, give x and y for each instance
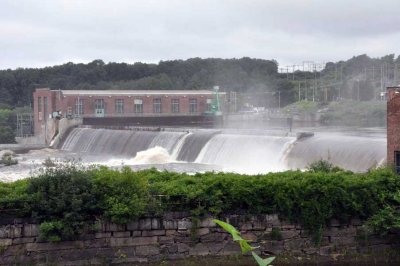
(262, 262)
(229, 228)
(245, 247)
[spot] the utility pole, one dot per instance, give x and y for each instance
(381, 77)
(315, 84)
(279, 100)
(326, 94)
(373, 72)
(287, 72)
(306, 94)
(299, 92)
(335, 72)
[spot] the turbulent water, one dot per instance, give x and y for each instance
(239, 152)
(242, 151)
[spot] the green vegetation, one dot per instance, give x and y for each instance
(388, 218)
(352, 113)
(343, 113)
(65, 195)
(7, 126)
(17, 86)
(51, 231)
(302, 107)
(323, 166)
(124, 195)
(244, 244)
(79, 197)
(358, 78)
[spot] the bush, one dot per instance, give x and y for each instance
(7, 126)
(323, 166)
(51, 231)
(387, 219)
(76, 197)
(64, 194)
(14, 199)
(7, 135)
(124, 195)
(310, 198)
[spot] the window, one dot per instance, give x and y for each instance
(397, 161)
(99, 108)
(138, 104)
(157, 105)
(119, 106)
(39, 104)
(79, 107)
(192, 105)
(69, 112)
(45, 107)
(209, 105)
(99, 104)
(175, 105)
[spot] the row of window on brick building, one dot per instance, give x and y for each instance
(120, 106)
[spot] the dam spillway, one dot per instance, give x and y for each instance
(238, 152)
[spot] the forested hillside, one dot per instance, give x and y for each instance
(359, 78)
(16, 86)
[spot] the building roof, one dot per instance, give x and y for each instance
(136, 92)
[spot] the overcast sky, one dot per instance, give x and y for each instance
(37, 33)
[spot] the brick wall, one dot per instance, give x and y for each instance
(393, 123)
(66, 103)
(177, 236)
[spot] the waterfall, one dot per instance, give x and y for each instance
(354, 153)
(246, 153)
(233, 151)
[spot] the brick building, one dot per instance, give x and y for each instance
(121, 105)
(393, 127)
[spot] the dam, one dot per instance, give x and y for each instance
(242, 152)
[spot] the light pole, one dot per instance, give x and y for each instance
(358, 89)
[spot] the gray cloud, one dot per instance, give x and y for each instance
(48, 32)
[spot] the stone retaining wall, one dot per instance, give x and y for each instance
(177, 236)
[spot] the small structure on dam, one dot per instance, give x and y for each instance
(393, 127)
(128, 107)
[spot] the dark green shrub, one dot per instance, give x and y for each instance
(7, 135)
(51, 231)
(323, 166)
(64, 194)
(14, 199)
(386, 220)
(76, 197)
(124, 195)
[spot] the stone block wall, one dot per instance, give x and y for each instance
(178, 236)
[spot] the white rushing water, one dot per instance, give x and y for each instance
(205, 150)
